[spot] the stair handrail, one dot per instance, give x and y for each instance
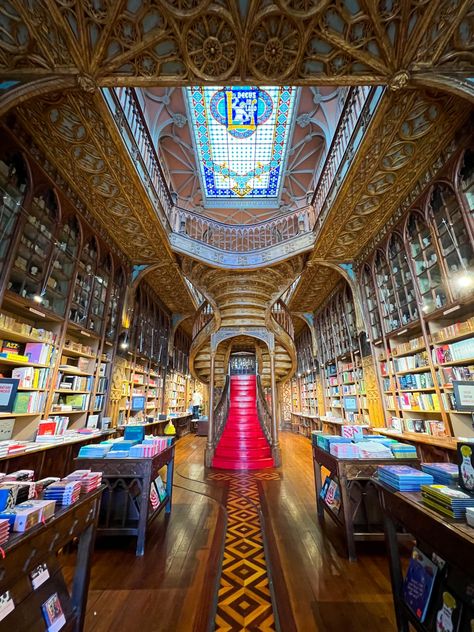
(221, 412)
(204, 315)
(281, 314)
(264, 412)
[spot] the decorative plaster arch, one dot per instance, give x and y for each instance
(260, 333)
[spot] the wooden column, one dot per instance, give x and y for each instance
(276, 452)
(210, 434)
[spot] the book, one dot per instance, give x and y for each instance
(418, 583)
(160, 487)
(447, 611)
(10, 347)
(53, 613)
(332, 496)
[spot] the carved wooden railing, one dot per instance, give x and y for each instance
(356, 114)
(242, 238)
(221, 412)
(129, 118)
(282, 316)
(204, 315)
(264, 412)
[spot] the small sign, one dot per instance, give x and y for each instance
(464, 395)
(39, 575)
(6, 605)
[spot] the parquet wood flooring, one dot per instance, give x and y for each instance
(173, 588)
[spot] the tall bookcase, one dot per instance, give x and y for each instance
(343, 375)
(418, 290)
(61, 290)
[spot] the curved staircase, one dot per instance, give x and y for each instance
(243, 446)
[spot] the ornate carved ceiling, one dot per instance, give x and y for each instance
(316, 118)
(74, 134)
(171, 42)
(72, 47)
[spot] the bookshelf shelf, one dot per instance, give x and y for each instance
(18, 363)
(420, 369)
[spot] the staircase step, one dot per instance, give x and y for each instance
(235, 464)
(245, 441)
(242, 454)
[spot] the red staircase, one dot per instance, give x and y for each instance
(243, 446)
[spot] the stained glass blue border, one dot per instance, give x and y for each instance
(241, 150)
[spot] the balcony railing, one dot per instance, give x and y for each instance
(283, 317)
(356, 114)
(245, 238)
(205, 315)
(129, 117)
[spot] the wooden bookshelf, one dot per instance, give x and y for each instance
(421, 310)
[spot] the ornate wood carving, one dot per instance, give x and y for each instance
(114, 42)
(374, 402)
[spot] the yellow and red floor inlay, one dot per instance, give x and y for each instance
(244, 601)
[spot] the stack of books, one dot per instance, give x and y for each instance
(64, 492)
(94, 451)
(450, 501)
(442, 473)
(403, 451)
(88, 480)
(470, 516)
(345, 450)
(4, 530)
(403, 477)
(374, 450)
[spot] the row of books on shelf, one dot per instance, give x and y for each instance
(74, 402)
(453, 352)
(35, 352)
(434, 427)
(414, 401)
(11, 324)
(29, 402)
(456, 329)
(77, 347)
(74, 382)
(446, 377)
(29, 377)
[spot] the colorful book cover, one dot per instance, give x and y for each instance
(419, 582)
(53, 614)
(160, 487)
(22, 401)
(10, 346)
(466, 465)
(47, 428)
(333, 496)
(447, 611)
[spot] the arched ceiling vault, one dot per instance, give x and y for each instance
(54, 55)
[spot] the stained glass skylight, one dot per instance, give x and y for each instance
(241, 136)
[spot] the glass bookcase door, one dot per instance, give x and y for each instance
(386, 293)
(13, 184)
(454, 240)
(99, 294)
(87, 265)
(30, 267)
(62, 266)
(402, 280)
(426, 265)
(113, 311)
(371, 302)
(466, 180)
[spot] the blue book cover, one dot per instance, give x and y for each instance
(419, 582)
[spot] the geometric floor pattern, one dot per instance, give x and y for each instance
(244, 601)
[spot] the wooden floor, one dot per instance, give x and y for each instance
(171, 589)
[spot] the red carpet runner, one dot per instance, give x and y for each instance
(244, 601)
(243, 446)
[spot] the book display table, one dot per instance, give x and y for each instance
(304, 423)
(25, 552)
(155, 428)
(51, 460)
(451, 540)
(125, 507)
(182, 424)
(333, 426)
(429, 448)
(357, 512)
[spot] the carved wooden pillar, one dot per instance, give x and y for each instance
(210, 433)
(276, 452)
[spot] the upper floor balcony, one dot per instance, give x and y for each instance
(243, 245)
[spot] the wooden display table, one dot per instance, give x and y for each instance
(51, 460)
(182, 423)
(429, 448)
(154, 428)
(452, 541)
(359, 515)
(40, 545)
(125, 507)
(332, 426)
(304, 423)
